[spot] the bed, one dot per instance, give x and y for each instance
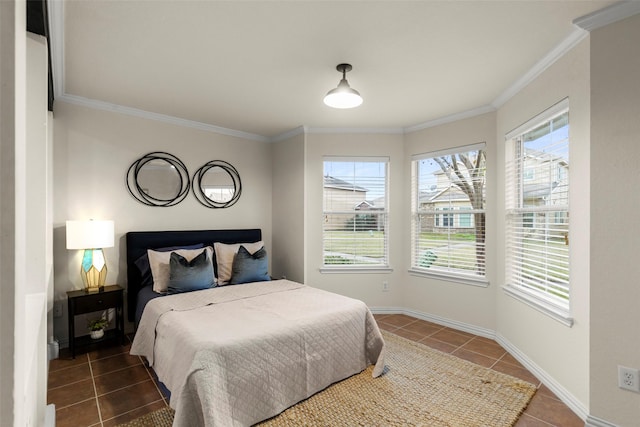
(242, 353)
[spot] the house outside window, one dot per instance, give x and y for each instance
(537, 212)
(355, 213)
(450, 244)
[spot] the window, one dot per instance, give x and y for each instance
(355, 210)
(448, 213)
(537, 211)
(465, 219)
(445, 219)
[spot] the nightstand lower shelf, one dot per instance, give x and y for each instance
(80, 302)
(86, 343)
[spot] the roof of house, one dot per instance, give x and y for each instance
(337, 183)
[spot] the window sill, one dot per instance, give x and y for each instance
(464, 280)
(560, 314)
(358, 269)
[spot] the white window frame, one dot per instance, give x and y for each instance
(533, 295)
(442, 273)
(383, 266)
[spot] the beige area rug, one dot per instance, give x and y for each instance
(420, 387)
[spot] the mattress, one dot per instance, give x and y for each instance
(236, 355)
(145, 295)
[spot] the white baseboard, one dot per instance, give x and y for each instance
(50, 416)
(597, 422)
(565, 396)
(562, 393)
(53, 350)
(461, 326)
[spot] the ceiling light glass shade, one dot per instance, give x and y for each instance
(91, 236)
(343, 96)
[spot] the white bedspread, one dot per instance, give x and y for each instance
(237, 355)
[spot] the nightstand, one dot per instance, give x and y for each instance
(81, 302)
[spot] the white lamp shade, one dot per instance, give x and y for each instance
(89, 234)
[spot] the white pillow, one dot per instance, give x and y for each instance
(225, 254)
(159, 263)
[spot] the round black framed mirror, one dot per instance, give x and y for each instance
(158, 179)
(217, 184)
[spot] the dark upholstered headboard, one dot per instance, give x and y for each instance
(139, 241)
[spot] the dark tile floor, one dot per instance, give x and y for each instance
(107, 387)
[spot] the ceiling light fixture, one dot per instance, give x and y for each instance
(343, 96)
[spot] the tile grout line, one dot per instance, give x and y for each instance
(148, 368)
(73, 404)
(460, 347)
(431, 336)
(95, 392)
(134, 409)
(65, 385)
(536, 418)
(117, 370)
(121, 388)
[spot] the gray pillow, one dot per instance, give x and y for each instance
(250, 268)
(187, 276)
(143, 262)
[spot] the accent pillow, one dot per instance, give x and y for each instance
(187, 276)
(250, 267)
(159, 262)
(143, 262)
(224, 257)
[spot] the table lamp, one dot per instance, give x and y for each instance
(92, 236)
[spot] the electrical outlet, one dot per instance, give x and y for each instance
(385, 286)
(57, 309)
(629, 378)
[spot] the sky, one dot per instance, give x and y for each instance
(370, 174)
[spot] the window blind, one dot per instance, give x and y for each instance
(448, 212)
(355, 212)
(537, 208)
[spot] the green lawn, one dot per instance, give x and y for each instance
(350, 247)
(367, 244)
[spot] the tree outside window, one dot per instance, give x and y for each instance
(451, 243)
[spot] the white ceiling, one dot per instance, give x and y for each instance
(263, 67)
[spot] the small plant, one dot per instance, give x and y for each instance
(427, 259)
(97, 324)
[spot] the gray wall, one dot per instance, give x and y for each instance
(94, 149)
(615, 235)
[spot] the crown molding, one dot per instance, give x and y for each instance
(115, 108)
(583, 25)
(387, 131)
(450, 118)
(56, 25)
(289, 134)
(608, 15)
(539, 67)
(322, 130)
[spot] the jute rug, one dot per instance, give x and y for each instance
(420, 387)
